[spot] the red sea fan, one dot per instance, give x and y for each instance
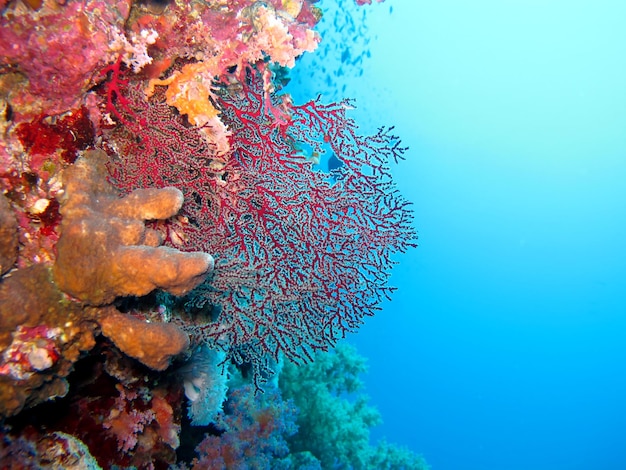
(301, 255)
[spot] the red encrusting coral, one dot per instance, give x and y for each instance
(43, 136)
(32, 184)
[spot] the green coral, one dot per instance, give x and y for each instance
(387, 456)
(335, 418)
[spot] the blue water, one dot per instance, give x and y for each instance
(504, 347)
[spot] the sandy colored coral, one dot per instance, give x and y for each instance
(8, 236)
(105, 249)
(153, 344)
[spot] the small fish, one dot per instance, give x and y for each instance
(345, 56)
(334, 163)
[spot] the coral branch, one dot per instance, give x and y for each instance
(153, 344)
(105, 250)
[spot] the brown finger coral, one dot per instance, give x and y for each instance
(8, 236)
(153, 344)
(106, 251)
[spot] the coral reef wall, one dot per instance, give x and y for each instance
(167, 234)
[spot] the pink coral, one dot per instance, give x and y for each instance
(124, 423)
(44, 48)
(128, 416)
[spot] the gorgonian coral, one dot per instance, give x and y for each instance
(301, 255)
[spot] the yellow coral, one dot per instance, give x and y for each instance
(292, 7)
(189, 90)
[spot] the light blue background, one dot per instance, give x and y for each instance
(504, 347)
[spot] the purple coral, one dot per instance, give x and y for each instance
(255, 428)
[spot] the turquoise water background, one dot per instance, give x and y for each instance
(504, 347)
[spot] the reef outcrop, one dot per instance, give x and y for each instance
(8, 236)
(42, 334)
(51, 315)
